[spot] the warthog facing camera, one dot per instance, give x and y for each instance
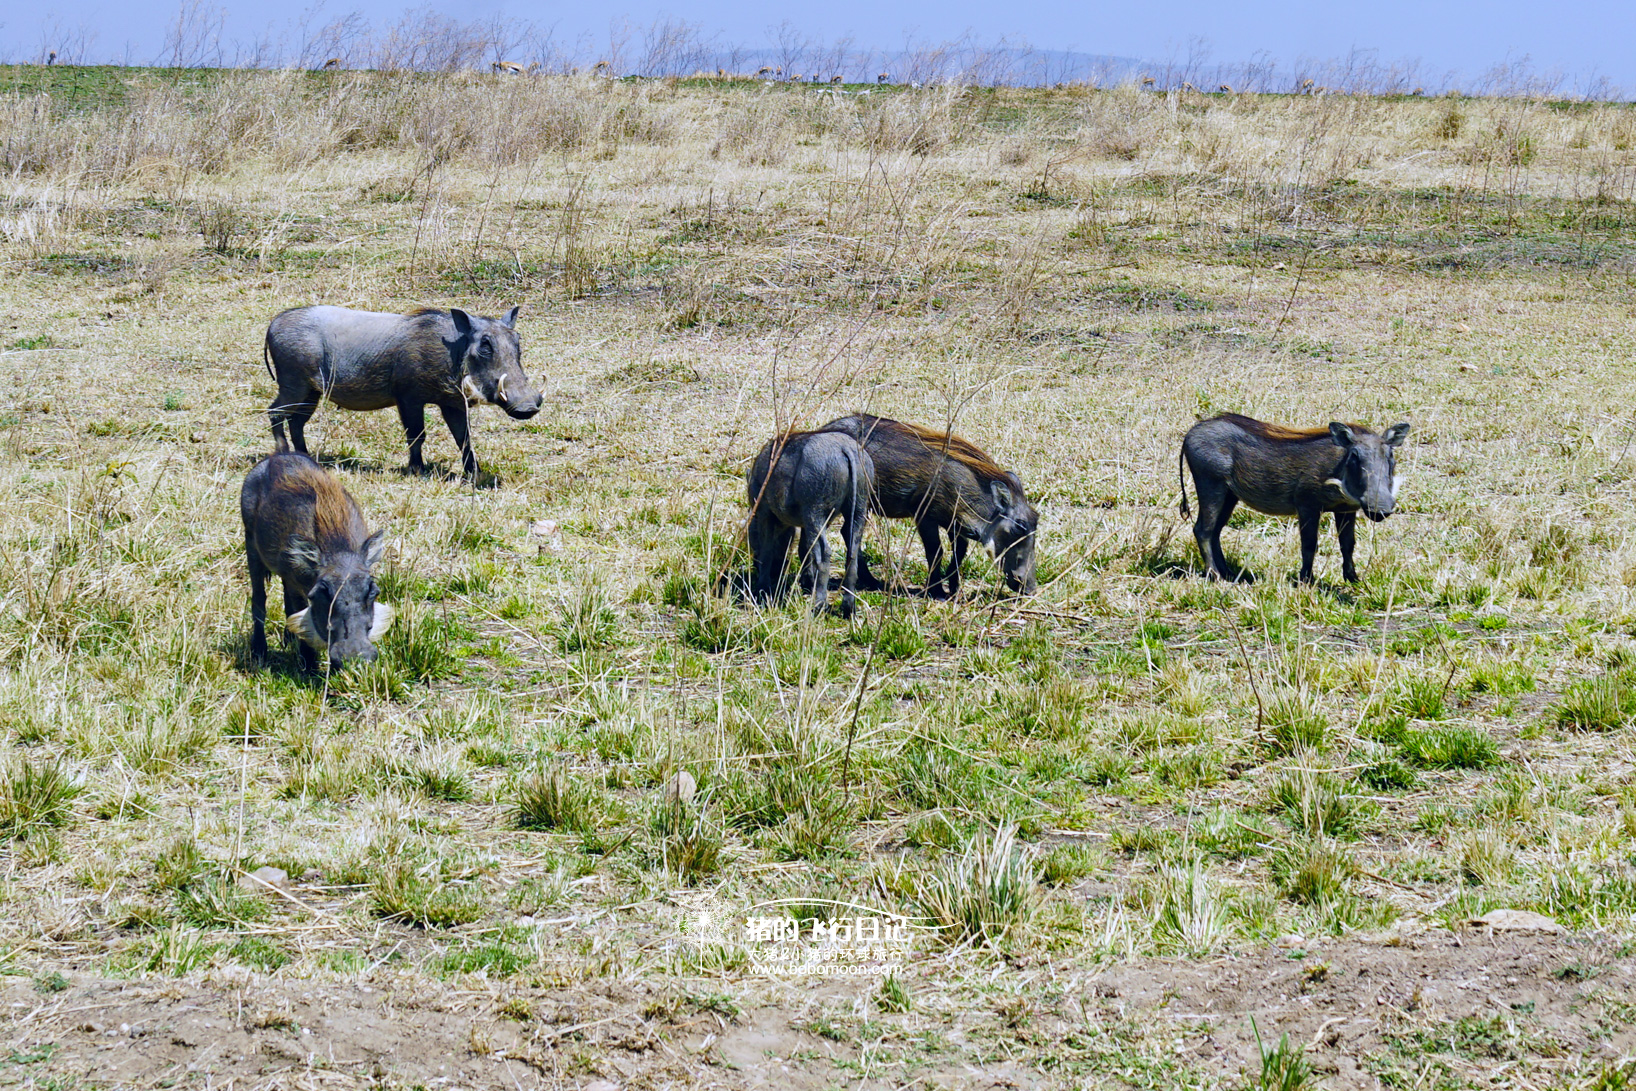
(302, 526)
(802, 481)
(1304, 472)
(366, 360)
(946, 485)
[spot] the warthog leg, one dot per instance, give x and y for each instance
(258, 601)
(294, 603)
(455, 417)
(413, 416)
(1308, 523)
(1346, 529)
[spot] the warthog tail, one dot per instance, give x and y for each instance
(266, 355)
(1181, 480)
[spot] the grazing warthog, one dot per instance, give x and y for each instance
(946, 484)
(1304, 472)
(300, 525)
(802, 481)
(369, 360)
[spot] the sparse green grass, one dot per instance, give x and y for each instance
(1176, 769)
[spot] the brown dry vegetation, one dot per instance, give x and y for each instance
(1127, 814)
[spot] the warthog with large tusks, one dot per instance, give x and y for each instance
(946, 485)
(300, 525)
(368, 360)
(1304, 472)
(802, 481)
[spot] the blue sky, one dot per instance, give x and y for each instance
(1580, 40)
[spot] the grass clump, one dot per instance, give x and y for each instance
(1315, 873)
(420, 895)
(691, 843)
(1598, 704)
(1318, 804)
(984, 894)
(1450, 747)
(1284, 1066)
(1068, 864)
(1293, 725)
(216, 901)
(1187, 908)
(549, 799)
(36, 796)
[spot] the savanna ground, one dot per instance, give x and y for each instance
(1149, 831)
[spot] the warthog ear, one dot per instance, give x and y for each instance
(462, 321)
(374, 548)
(1340, 433)
(302, 553)
(1001, 492)
(510, 320)
(1395, 435)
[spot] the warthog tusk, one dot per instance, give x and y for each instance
(469, 390)
(500, 391)
(1397, 483)
(1338, 484)
(381, 622)
(300, 626)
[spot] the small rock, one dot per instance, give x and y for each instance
(1518, 920)
(1288, 941)
(1468, 367)
(264, 877)
(601, 1085)
(681, 788)
(197, 437)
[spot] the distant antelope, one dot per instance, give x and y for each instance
(511, 67)
(796, 77)
(1188, 86)
(1306, 87)
(333, 62)
(1147, 81)
(51, 58)
(884, 78)
(835, 81)
(1225, 89)
(816, 77)
(1418, 91)
(602, 68)
(764, 71)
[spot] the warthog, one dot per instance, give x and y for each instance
(1304, 472)
(802, 481)
(946, 485)
(302, 526)
(368, 360)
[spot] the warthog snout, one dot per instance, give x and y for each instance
(521, 408)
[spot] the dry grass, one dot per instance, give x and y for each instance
(1068, 277)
